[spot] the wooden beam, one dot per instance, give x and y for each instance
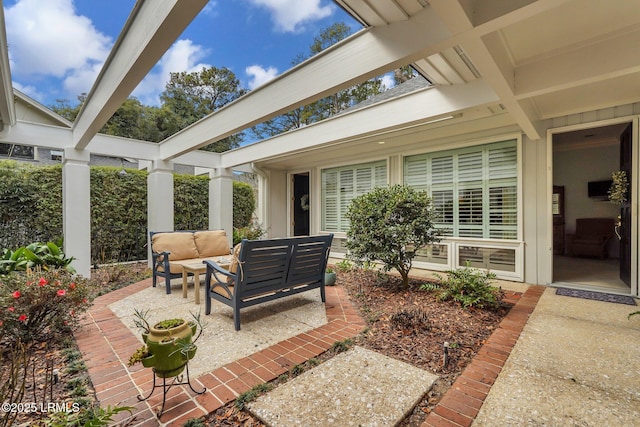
(151, 29)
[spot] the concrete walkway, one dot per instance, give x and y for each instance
(573, 363)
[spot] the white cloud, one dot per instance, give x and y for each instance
(388, 81)
(258, 75)
(182, 56)
(29, 90)
(37, 46)
(291, 15)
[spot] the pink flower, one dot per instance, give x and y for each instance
(72, 286)
(22, 318)
(61, 292)
(16, 294)
(11, 309)
(42, 281)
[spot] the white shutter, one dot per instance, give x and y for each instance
(484, 181)
(341, 185)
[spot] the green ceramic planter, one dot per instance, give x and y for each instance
(169, 349)
(330, 279)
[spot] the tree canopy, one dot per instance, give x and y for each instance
(325, 107)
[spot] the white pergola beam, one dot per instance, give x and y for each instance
(151, 29)
(41, 135)
(597, 62)
(358, 58)
(416, 107)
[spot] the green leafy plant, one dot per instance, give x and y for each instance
(43, 255)
(194, 422)
(39, 304)
(342, 346)
(86, 417)
(467, 286)
(251, 395)
(344, 266)
(253, 231)
(389, 225)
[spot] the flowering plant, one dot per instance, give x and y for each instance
(37, 304)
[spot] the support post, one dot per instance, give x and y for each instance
(76, 209)
(159, 199)
(221, 201)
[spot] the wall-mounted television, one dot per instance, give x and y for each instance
(599, 189)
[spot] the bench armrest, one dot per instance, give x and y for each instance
(213, 269)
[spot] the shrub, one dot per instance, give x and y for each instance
(253, 231)
(469, 287)
(244, 203)
(36, 305)
(389, 225)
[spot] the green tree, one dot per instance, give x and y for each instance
(193, 96)
(325, 107)
(389, 225)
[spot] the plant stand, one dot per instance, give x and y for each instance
(166, 386)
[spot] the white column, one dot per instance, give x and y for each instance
(221, 201)
(159, 198)
(76, 209)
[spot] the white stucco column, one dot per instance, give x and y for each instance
(221, 201)
(76, 209)
(159, 198)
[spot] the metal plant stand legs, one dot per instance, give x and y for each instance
(166, 386)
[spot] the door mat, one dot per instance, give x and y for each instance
(598, 296)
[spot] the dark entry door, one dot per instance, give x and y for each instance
(300, 209)
(624, 221)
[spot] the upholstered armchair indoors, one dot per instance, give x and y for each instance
(591, 237)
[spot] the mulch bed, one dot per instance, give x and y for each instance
(409, 325)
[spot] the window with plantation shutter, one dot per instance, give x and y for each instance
(341, 185)
(474, 190)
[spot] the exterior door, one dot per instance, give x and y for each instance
(624, 221)
(300, 201)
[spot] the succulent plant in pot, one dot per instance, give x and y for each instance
(169, 344)
(329, 277)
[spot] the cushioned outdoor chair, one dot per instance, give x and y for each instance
(591, 237)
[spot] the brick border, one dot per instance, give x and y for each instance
(106, 344)
(461, 404)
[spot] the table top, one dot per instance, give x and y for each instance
(222, 261)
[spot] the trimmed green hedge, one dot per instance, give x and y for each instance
(31, 208)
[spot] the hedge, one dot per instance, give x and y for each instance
(31, 208)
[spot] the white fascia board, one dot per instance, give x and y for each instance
(7, 107)
(151, 29)
(408, 110)
(362, 56)
(596, 62)
(39, 135)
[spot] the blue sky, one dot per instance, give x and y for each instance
(57, 47)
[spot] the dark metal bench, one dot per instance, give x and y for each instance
(264, 270)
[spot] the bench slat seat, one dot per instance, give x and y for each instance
(268, 270)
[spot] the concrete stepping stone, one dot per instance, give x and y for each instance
(356, 388)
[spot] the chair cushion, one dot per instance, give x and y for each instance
(222, 291)
(180, 244)
(233, 268)
(211, 243)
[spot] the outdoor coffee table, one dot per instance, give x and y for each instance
(196, 268)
